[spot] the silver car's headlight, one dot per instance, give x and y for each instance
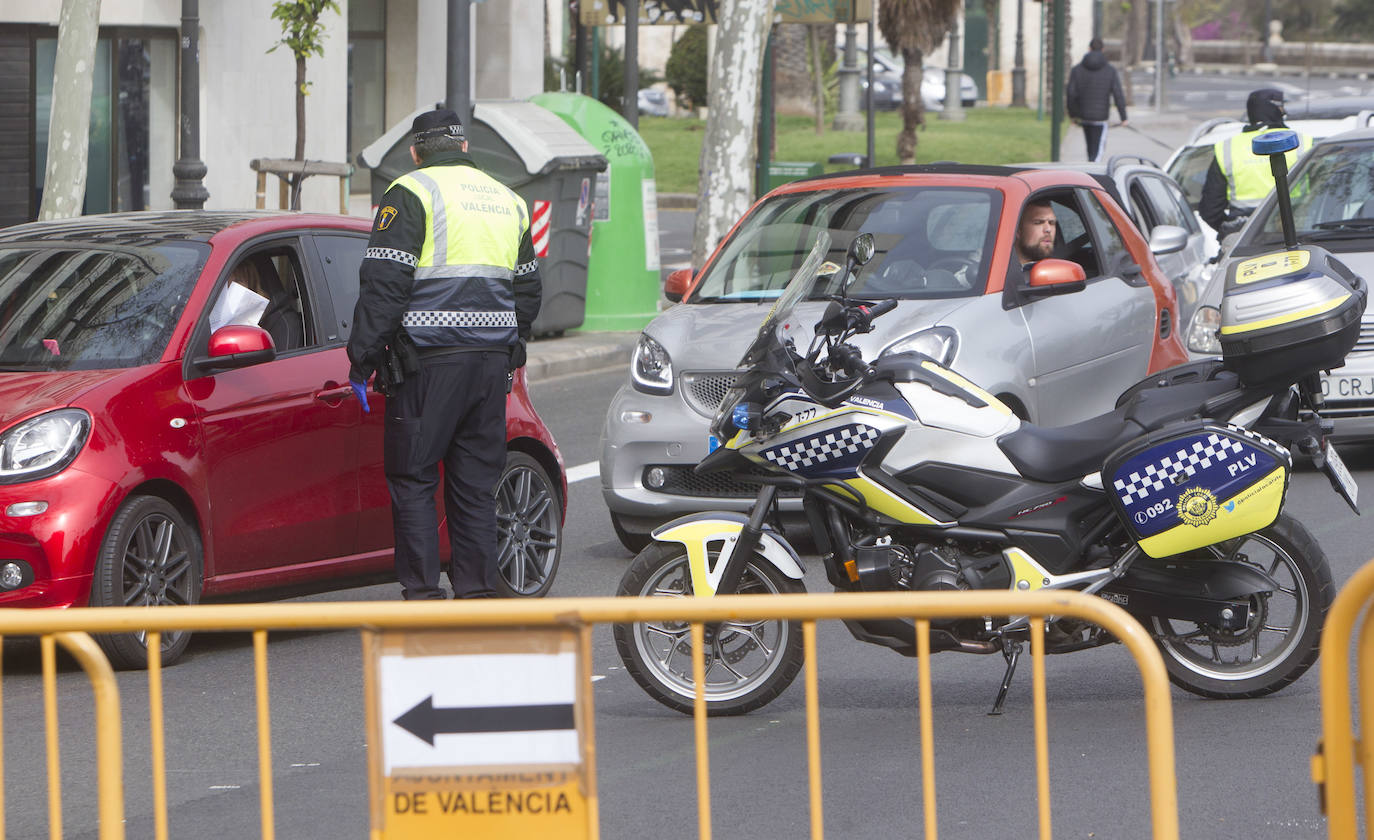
(939, 343)
(1203, 329)
(651, 369)
(43, 445)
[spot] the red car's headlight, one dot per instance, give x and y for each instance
(43, 445)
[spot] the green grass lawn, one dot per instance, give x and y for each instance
(990, 135)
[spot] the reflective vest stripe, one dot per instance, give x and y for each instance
(438, 217)
(485, 272)
(445, 318)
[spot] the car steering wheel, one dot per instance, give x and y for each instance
(954, 264)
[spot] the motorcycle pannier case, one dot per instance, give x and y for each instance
(1194, 484)
(1288, 314)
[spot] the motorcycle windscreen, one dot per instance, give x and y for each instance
(1193, 485)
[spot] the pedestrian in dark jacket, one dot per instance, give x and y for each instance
(1093, 86)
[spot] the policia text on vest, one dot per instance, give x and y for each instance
(451, 263)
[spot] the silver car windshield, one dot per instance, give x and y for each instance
(1332, 196)
(931, 242)
(73, 308)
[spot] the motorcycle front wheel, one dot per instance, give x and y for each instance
(747, 663)
(1283, 636)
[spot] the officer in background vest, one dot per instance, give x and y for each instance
(451, 267)
(1238, 180)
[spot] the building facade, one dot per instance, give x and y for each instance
(382, 60)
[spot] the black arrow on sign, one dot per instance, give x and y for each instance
(424, 721)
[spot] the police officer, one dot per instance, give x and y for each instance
(1238, 179)
(450, 267)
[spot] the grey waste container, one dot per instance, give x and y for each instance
(548, 164)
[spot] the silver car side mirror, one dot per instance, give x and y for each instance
(1167, 239)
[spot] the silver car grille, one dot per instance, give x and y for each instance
(704, 391)
(1365, 343)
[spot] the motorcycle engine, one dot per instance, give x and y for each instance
(884, 567)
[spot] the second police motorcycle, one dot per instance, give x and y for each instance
(913, 478)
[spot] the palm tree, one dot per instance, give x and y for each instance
(912, 28)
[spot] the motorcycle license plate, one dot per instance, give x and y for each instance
(1340, 475)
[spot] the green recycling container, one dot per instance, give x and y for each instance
(782, 171)
(623, 275)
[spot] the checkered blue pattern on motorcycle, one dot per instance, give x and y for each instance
(1222, 460)
(834, 453)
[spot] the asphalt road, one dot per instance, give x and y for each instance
(1242, 766)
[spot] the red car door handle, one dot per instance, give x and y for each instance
(334, 394)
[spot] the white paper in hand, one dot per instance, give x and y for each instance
(237, 305)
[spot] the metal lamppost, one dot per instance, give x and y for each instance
(457, 84)
(1018, 67)
(954, 76)
(189, 193)
(1266, 54)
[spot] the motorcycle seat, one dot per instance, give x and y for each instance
(1064, 453)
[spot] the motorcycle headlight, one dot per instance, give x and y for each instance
(1203, 329)
(651, 369)
(43, 446)
(939, 343)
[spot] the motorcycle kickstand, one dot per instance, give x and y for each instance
(1011, 650)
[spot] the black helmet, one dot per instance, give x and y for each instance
(1265, 107)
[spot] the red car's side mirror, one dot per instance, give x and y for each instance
(1056, 277)
(237, 345)
(677, 284)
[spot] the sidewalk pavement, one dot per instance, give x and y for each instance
(578, 352)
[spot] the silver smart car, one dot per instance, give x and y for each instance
(944, 239)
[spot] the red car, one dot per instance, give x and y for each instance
(176, 422)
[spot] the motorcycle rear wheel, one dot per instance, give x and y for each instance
(1283, 637)
(748, 663)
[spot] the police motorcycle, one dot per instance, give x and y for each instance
(912, 478)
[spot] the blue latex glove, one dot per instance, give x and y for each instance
(360, 391)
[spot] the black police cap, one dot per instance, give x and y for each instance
(441, 122)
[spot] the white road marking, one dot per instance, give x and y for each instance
(591, 469)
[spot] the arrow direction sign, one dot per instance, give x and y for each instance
(424, 721)
(479, 733)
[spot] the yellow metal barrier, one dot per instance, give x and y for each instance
(69, 626)
(1342, 749)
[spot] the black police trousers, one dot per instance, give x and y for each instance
(453, 412)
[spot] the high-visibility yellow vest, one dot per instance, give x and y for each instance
(464, 277)
(1249, 177)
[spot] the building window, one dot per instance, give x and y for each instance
(132, 121)
(366, 78)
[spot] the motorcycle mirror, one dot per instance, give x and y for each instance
(861, 249)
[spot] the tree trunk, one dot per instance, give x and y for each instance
(300, 132)
(728, 149)
(913, 108)
(817, 76)
(1182, 38)
(64, 178)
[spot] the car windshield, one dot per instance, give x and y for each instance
(1332, 196)
(64, 307)
(931, 242)
(798, 288)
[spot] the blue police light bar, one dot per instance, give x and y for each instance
(1275, 142)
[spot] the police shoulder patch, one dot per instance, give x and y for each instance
(384, 217)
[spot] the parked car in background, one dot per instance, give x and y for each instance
(1153, 199)
(887, 83)
(944, 237)
(1332, 192)
(1317, 118)
(176, 422)
(653, 102)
